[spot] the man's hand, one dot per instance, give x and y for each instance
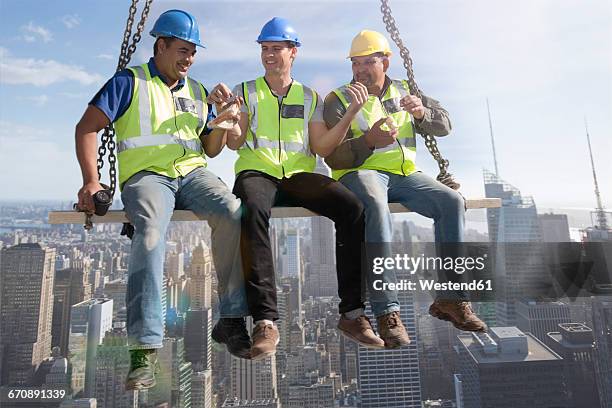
(376, 137)
(359, 96)
(220, 96)
(85, 196)
(414, 105)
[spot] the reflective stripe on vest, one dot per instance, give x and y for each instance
(395, 158)
(275, 144)
(160, 130)
(144, 110)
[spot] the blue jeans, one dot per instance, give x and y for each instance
(149, 201)
(421, 194)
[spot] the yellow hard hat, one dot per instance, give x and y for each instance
(369, 42)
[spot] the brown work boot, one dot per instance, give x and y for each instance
(459, 313)
(392, 330)
(265, 338)
(360, 330)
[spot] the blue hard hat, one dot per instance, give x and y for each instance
(278, 29)
(177, 24)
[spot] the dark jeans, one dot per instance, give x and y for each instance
(318, 193)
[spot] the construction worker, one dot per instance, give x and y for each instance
(281, 129)
(160, 116)
(376, 161)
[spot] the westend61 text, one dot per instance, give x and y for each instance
(412, 264)
(430, 284)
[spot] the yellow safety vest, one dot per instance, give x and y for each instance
(397, 158)
(277, 137)
(160, 130)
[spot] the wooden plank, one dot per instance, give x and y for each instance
(118, 216)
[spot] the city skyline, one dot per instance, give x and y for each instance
(522, 82)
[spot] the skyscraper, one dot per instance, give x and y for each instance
(574, 343)
(507, 368)
(554, 227)
(541, 318)
(198, 344)
(175, 376)
(292, 259)
(253, 380)
(112, 367)
(391, 378)
(26, 310)
(322, 267)
(513, 228)
(602, 331)
(70, 287)
(201, 388)
(89, 322)
(200, 275)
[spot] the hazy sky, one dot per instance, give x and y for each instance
(543, 64)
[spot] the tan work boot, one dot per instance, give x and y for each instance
(459, 313)
(360, 330)
(265, 338)
(392, 330)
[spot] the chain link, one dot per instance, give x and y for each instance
(107, 140)
(430, 142)
(125, 55)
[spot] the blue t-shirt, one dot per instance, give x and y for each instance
(116, 95)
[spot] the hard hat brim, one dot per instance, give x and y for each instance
(365, 53)
(158, 34)
(275, 38)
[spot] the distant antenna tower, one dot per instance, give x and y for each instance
(492, 139)
(600, 212)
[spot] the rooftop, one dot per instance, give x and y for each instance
(506, 345)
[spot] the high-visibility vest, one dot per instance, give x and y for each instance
(160, 130)
(397, 158)
(276, 142)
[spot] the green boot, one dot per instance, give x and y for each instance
(143, 367)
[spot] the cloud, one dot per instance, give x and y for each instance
(34, 32)
(53, 155)
(41, 72)
(105, 57)
(71, 20)
(40, 100)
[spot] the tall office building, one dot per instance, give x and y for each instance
(198, 344)
(201, 388)
(70, 287)
(89, 322)
(322, 268)
(26, 310)
(602, 332)
(200, 278)
(253, 380)
(318, 395)
(541, 318)
(554, 227)
(391, 378)
(260, 403)
(174, 265)
(112, 367)
(116, 290)
(513, 228)
(574, 343)
(175, 376)
(292, 257)
(507, 368)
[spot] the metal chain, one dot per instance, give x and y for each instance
(127, 49)
(430, 142)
